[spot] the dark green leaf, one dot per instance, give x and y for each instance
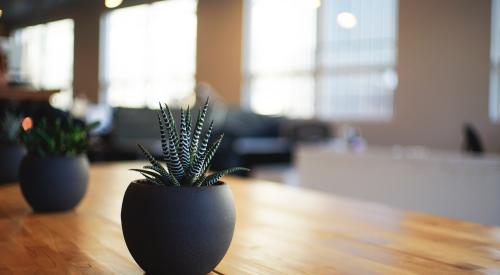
(214, 178)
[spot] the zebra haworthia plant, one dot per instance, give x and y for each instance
(186, 153)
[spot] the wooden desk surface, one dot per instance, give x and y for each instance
(279, 230)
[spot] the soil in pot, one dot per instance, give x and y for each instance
(10, 160)
(55, 183)
(177, 230)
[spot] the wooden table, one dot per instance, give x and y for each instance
(279, 230)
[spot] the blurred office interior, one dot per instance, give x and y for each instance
(391, 101)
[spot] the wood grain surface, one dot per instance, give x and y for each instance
(279, 230)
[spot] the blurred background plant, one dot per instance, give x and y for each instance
(10, 126)
(60, 137)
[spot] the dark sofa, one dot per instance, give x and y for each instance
(250, 139)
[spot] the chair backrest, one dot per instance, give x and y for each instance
(472, 140)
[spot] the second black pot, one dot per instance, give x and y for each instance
(177, 230)
(10, 159)
(55, 183)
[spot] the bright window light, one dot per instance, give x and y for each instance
(43, 56)
(281, 56)
(332, 61)
(149, 54)
(317, 3)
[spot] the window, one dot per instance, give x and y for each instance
(495, 62)
(332, 59)
(280, 56)
(149, 54)
(43, 56)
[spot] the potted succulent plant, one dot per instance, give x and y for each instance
(179, 219)
(54, 174)
(11, 151)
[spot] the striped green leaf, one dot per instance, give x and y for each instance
(197, 164)
(210, 154)
(184, 141)
(214, 178)
(198, 129)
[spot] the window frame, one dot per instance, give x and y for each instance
(67, 88)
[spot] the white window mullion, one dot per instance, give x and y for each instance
(495, 63)
(318, 70)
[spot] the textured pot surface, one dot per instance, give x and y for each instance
(55, 183)
(178, 230)
(10, 160)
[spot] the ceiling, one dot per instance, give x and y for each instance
(18, 10)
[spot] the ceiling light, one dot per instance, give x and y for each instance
(347, 20)
(317, 3)
(112, 3)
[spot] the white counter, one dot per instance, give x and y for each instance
(440, 182)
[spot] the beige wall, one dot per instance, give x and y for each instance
(219, 45)
(86, 57)
(444, 75)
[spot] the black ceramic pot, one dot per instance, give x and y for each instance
(177, 230)
(10, 159)
(55, 183)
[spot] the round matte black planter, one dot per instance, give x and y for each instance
(177, 230)
(55, 183)
(10, 159)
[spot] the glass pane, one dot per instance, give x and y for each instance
(372, 41)
(357, 59)
(58, 61)
(150, 53)
(282, 37)
(291, 95)
(44, 57)
(32, 52)
(356, 96)
(126, 42)
(350, 66)
(281, 44)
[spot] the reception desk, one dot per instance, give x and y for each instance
(279, 230)
(444, 183)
